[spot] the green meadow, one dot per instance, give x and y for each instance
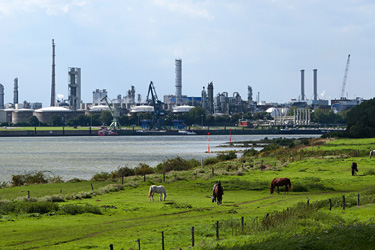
(96, 214)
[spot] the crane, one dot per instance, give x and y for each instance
(345, 76)
(115, 114)
(157, 122)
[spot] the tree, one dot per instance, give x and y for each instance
(106, 117)
(33, 121)
(143, 169)
(56, 120)
(361, 120)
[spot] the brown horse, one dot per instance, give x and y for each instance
(281, 182)
(218, 193)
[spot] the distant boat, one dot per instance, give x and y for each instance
(185, 132)
(104, 131)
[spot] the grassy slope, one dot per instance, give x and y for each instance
(188, 205)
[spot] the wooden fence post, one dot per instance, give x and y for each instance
(122, 180)
(308, 201)
(92, 187)
(162, 240)
(213, 171)
(357, 199)
(164, 177)
(242, 219)
(330, 204)
(192, 236)
(343, 202)
(28, 194)
(217, 229)
(139, 244)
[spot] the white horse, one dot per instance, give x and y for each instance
(156, 189)
(372, 153)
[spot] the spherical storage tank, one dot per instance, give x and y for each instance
(141, 109)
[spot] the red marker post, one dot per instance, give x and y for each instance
(230, 136)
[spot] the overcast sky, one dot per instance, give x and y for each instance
(119, 43)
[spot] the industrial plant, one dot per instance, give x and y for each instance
(221, 103)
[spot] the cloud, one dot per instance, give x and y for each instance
(186, 7)
(51, 7)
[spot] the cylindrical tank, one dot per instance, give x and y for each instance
(22, 115)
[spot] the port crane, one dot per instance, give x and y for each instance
(115, 115)
(157, 122)
(345, 76)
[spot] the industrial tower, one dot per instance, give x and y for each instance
(53, 90)
(74, 86)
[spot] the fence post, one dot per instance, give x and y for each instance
(164, 177)
(308, 201)
(201, 163)
(111, 246)
(92, 187)
(162, 240)
(213, 171)
(343, 202)
(192, 236)
(122, 180)
(139, 244)
(330, 204)
(217, 229)
(357, 199)
(28, 194)
(242, 222)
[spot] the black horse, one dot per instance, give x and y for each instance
(218, 192)
(354, 168)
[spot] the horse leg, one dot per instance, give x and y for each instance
(278, 191)
(286, 189)
(161, 194)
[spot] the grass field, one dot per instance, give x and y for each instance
(127, 215)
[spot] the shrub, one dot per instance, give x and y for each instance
(176, 164)
(226, 157)
(210, 161)
(29, 178)
(40, 207)
(250, 152)
(103, 176)
(74, 209)
(143, 169)
(6, 207)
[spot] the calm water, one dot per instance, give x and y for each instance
(82, 157)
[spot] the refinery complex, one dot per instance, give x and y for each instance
(215, 104)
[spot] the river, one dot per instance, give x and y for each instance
(82, 157)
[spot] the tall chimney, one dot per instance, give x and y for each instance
(53, 91)
(15, 92)
(178, 81)
(302, 84)
(315, 85)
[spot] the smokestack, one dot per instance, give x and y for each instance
(178, 81)
(15, 92)
(210, 90)
(302, 84)
(1, 96)
(315, 85)
(53, 91)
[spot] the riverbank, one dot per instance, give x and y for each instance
(68, 131)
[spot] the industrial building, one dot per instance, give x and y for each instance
(74, 88)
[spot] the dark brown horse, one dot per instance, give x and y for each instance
(277, 182)
(354, 168)
(218, 192)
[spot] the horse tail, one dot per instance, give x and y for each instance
(371, 153)
(290, 186)
(149, 193)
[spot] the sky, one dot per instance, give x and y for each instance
(234, 44)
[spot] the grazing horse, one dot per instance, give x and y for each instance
(156, 189)
(354, 168)
(372, 153)
(281, 182)
(218, 192)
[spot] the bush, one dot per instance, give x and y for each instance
(29, 178)
(210, 161)
(143, 169)
(6, 207)
(73, 209)
(226, 157)
(41, 207)
(103, 176)
(176, 164)
(250, 152)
